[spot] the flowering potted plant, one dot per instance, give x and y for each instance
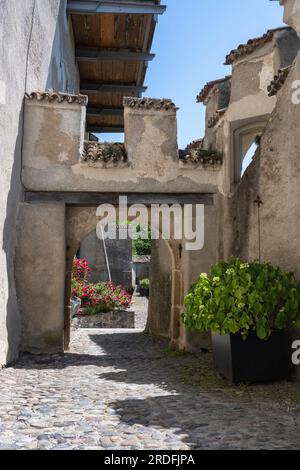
(250, 309)
(104, 297)
(96, 298)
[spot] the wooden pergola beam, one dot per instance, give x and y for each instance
(93, 198)
(87, 87)
(105, 111)
(91, 7)
(96, 54)
(105, 129)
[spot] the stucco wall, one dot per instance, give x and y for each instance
(160, 301)
(273, 175)
(30, 36)
(151, 144)
(292, 13)
(193, 264)
(140, 271)
(40, 268)
(119, 256)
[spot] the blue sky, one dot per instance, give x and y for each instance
(191, 41)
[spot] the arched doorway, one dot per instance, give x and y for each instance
(80, 222)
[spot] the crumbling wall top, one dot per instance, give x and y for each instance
(278, 81)
(150, 103)
(56, 96)
(253, 44)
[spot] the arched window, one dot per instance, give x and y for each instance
(246, 141)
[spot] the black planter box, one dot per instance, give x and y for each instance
(253, 360)
(144, 292)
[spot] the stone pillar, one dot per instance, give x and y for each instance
(193, 264)
(160, 301)
(54, 129)
(151, 137)
(40, 276)
(292, 13)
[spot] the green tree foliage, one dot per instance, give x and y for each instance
(142, 246)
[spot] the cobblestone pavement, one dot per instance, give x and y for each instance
(125, 390)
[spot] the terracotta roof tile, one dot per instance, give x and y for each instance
(194, 153)
(252, 45)
(149, 103)
(209, 86)
(278, 81)
(57, 96)
(108, 154)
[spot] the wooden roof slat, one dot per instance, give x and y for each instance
(83, 7)
(92, 111)
(113, 50)
(87, 87)
(105, 129)
(99, 54)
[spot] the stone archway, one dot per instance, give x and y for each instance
(81, 221)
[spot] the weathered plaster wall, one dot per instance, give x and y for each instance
(250, 105)
(193, 264)
(40, 269)
(30, 34)
(140, 271)
(292, 13)
(274, 176)
(119, 256)
(160, 301)
(151, 143)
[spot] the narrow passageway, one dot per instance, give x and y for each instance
(140, 307)
(125, 390)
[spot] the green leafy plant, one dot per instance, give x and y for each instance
(144, 283)
(240, 297)
(142, 245)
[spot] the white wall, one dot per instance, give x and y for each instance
(30, 36)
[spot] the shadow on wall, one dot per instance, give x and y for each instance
(13, 321)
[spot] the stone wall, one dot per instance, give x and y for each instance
(40, 269)
(117, 320)
(193, 264)
(119, 256)
(140, 268)
(292, 13)
(273, 175)
(152, 163)
(160, 300)
(35, 53)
